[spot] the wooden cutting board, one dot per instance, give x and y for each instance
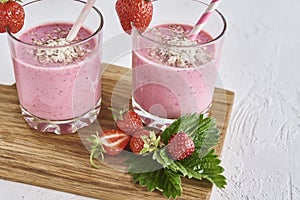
(61, 162)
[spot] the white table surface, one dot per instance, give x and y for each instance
(260, 64)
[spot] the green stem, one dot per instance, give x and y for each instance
(3, 1)
(92, 160)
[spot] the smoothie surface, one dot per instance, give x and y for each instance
(53, 35)
(168, 44)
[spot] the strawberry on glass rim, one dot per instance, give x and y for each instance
(11, 16)
(134, 12)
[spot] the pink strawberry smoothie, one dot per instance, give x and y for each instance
(57, 84)
(176, 81)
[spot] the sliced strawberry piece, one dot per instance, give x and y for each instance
(11, 16)
(111, 142)
(114, 141)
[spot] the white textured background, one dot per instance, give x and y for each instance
(261, 65)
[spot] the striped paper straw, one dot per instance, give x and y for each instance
(203, 19)
(83, 14)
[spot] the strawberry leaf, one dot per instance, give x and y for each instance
(208, 166)
(142, 164)
(207, 136)
(164, 180)
(186, 123)
(186, 171)
(161, 156)
(176, 166)
(150, 174)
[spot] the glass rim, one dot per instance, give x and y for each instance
(219, 36)
(100, 27)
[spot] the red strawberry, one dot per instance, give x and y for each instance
(11, 16)
(114, 141)
(180, 146)
(138, 12)
(111, 142)
(144, 141)
(137, 142)
(128, 121)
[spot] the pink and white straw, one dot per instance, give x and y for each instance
(203, 19)
(83, 14)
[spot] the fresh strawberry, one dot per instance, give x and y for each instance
(128, 121)
(114, 141)
(180, 146)
(136, 12)
(11, 16)
(137, 141)
(144, 141)
(111, 142)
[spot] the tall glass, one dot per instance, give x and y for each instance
(171, 74)
(58, 82)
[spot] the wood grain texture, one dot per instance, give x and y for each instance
(61, 162)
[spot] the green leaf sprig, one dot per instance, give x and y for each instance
(156, 171)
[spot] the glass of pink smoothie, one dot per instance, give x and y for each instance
(172, 75)
(58, 82)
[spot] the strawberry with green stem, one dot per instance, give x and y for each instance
(144, 141)
(127, 121)
(111, 142)
(11, 16)
(134, 12)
